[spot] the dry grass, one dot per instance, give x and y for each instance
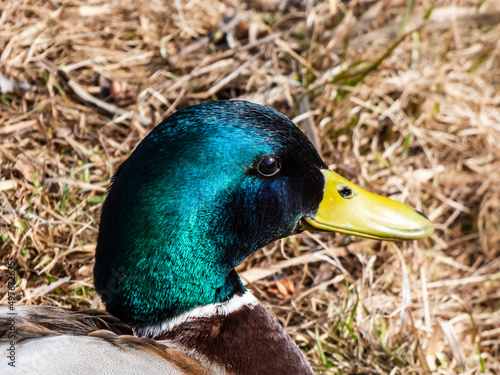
(402, 99)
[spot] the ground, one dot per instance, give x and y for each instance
(401, 97)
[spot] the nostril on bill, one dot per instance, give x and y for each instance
(345, 192)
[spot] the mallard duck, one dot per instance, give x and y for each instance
(206, 188)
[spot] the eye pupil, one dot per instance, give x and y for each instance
(269, 165)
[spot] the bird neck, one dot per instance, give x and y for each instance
(240, 335)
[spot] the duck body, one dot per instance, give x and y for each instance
(248, 340)
(85, 342)
(206, 188)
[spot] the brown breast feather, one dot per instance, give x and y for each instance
(249, 341)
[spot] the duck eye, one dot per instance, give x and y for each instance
(269, 166)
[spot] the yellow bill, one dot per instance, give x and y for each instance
(346, 208)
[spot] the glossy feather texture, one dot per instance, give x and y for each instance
(189, 205)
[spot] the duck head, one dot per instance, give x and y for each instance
(207, 187)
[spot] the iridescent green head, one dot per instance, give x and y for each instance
(206, 188)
